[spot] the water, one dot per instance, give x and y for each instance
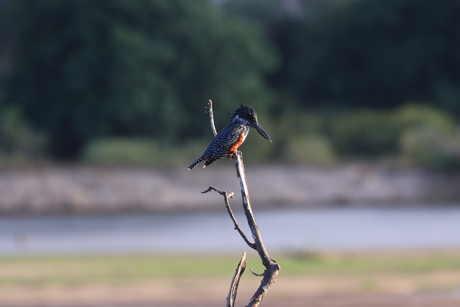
(283, 230)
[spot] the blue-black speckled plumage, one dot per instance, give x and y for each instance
(231, 136)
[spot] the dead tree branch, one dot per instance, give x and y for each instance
(208, 109)
(235, 281)
(271, 267)
(230, 212)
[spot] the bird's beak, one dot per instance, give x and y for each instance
(261, 131)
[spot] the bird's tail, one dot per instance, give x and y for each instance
(195, 163)
(209, 161)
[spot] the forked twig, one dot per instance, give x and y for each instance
(230, 212)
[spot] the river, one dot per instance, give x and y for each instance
(283, 230)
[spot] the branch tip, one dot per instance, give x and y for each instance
(236, 280)
(257, 274)
(208, 109)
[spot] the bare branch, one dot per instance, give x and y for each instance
(232, 216)
(235, 281)
(272, 268)
(208, 109)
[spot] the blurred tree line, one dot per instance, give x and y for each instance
(80, 70)
(85, 69)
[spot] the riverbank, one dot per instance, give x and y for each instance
(112, 190)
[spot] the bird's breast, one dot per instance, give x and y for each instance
(234, 147)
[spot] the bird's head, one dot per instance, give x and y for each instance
(248, 116)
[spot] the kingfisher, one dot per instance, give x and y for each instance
(231, 137)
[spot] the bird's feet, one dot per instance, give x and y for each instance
(233, 155)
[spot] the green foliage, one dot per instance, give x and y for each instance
(121, 152)
(19, 144)
(419, 134)
(416, 116)
(85, 71)
(366, 134)
(140, 152)
(88, 69)
(431, 148)
(422, 135)
(430, 138)
(377, 54)
(310, 149)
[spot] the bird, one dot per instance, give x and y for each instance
(227, 141)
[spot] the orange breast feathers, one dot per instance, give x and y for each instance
(235, 146)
